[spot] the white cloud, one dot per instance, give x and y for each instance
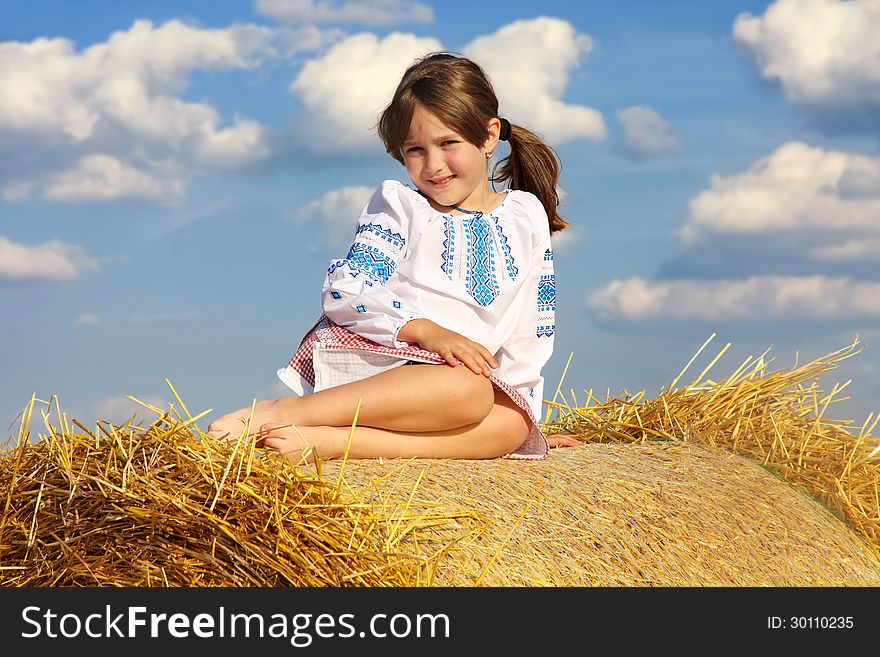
(290, 42)
(822, 52)
(853, 250)
(120, 99)
(529, 62)
(756, 299)
(367, 12)
(565, 240)
(345, 90)
(17, 190)
(87, 319)
(103, 177)
(337, 212)
(46, 86)
(233, 147)
(796, 188)
(53, 260)
(645, 133)
(861, 182)
(165, 318)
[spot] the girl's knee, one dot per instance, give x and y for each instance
(510, 424)
(471, 397)
(514, 432)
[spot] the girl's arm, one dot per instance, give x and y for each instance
(354, 293)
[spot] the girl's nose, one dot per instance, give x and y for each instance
(433, 162)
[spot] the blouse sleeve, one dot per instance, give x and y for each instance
(524, 354)
(355, 293)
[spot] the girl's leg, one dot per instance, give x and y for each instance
(406, 398)
(503, 430)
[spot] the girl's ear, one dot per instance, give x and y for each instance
(494, 130)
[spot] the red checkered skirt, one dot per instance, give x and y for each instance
(330, 337)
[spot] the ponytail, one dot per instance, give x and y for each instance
(532, 166)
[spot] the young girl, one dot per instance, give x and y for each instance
(442, 315)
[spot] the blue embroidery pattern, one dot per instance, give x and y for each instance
(512, 269)
(448, 254)
(365, 258)
(372, 261)
(396, 303)
(547, 293)
(361, 308)
(395, 239)
(546, 299)
(335, 294)
(481, 283)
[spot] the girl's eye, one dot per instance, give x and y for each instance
(413, 149)
(449, 142)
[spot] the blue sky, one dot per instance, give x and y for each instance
(175, 177)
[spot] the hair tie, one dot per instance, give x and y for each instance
(505, 130)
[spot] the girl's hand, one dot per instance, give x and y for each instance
(453, 347)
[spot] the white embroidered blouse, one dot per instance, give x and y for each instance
(487, 276)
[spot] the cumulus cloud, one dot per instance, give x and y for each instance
(824, 53)
(104, 177)
(645, 133)
(529, 62)
(853, 250)
(366, 12)
(862, 182)
(346, 89)
(567, 239)
(46, 86)
(17, 190)
(756, 299)
(336, 213)
(119, 100)
(796, 188)
(53, 260)
(239, 145)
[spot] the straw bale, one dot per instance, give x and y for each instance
(779, 418)
(652, 514)
(166, 505)
(741, 482)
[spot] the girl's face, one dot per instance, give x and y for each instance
(443, 165)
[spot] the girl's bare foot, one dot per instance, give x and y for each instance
(232, 425)
(563, 440)
(288, 441)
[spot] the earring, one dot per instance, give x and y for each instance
(488, 155)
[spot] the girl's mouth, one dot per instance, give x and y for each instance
(441, 182)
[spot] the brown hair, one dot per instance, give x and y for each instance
(458, 92)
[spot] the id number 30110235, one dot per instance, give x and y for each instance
(810, 623)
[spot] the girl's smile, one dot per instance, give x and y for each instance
(441, 182)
